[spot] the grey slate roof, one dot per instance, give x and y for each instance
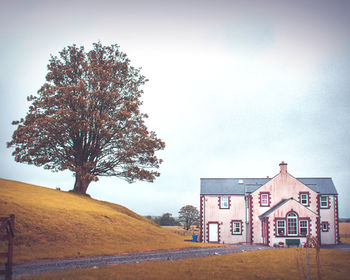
(234, 186)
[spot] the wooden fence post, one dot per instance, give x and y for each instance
(7, 224)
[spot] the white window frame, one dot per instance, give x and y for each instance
(327, 202)
(234, 227)
(264, 197)
(278, 227)
(306, 199)
(224, 202)
(304, 227)
(292, 220)
(325, 226)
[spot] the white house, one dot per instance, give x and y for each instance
(268, 210)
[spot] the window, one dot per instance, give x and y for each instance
(303, 227)
(236, 227)
(325, 226)
(304, 199)
(324, 201)
(264, 199)
(292, 224)
(224, 202)
(281, 227)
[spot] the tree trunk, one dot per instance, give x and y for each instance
(81, 185)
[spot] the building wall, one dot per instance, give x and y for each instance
(328, 216)
(211, 212)
(282, 186)
(282, 213)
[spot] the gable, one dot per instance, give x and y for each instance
(287, 205)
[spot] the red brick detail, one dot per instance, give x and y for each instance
(201, 218)
(318, 230)
(322, 224)
(229, 202)
(231, 227)
(268, 199)
(267, 231)
(308, 198)
(337, 236)
(207, 231)
(308, 219)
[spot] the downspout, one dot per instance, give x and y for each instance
(246, 214)
(204, 222)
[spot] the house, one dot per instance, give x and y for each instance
(268, 210)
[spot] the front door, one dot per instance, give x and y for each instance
(213, 232)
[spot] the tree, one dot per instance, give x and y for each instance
(189, 215)
(86, 118)
(165, 220)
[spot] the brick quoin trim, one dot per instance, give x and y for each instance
(231, 227)
(324, 223)
(318, 230)
(336, 219)
(308, 219)
(207, 231)
(308, 198)
(228, 199)
(201, 218)
(267, 231)
(268, 199)
(318, 204)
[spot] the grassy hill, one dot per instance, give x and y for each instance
(57, 224)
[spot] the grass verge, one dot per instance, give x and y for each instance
(264, 264)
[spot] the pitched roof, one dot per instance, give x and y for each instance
(279, 204)
(234, 186)
(238, 186)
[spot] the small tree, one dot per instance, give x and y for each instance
(189, 215)
(86, 118)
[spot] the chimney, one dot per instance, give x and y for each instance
(283, 167)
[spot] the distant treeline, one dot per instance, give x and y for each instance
(165, 220)
(344, 220)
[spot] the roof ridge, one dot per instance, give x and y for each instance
(215, 178)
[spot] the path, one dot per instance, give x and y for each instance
(54, 265)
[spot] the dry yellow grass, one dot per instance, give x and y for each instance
(182, 232)
(265, 264)
(55, 224)
(344, 229)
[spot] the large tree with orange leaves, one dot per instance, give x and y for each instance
(86, 118)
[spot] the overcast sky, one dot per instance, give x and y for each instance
(235, 87)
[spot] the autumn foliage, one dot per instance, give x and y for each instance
(86, 118)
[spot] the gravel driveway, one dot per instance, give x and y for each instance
(54, 265)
